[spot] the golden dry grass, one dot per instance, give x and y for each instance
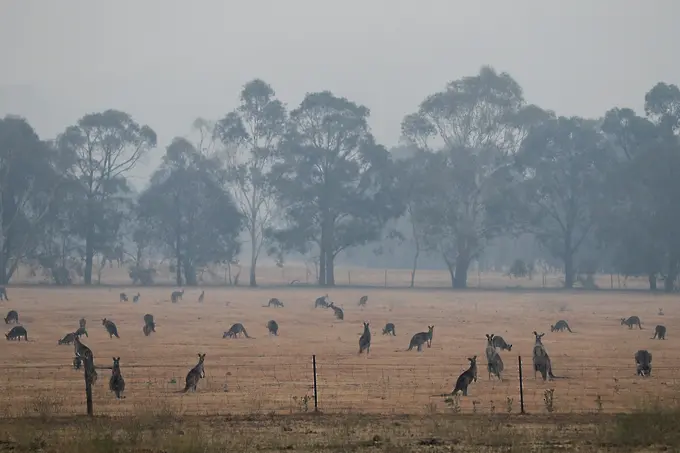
(274, 374)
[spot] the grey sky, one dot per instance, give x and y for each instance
(167, 62)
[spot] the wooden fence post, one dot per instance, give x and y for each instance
(521, 386)
(316, 393)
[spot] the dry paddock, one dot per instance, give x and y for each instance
(274, 374)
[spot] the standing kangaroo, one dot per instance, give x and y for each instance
(421, 338)
(117, 383)
(12, 316)
(337, 311)
(541, 358)
(389, 329)
(201, 297)
(82, 354)
(659, 332)
(630, 322)
(234, 330)
(321, 302)
(365, 340)
(176, 295)
(643, 363)
(274, 302)
(493, 358)
(501, 344)
(362, 301)
(135, 298)
(560, 326)
(3, 293)
(110, 327)
(82, 322)
(122, 297)
(273, 327)
(80, 332)
(16, 333)
(466, 377)
(195, 374)
(149, 325)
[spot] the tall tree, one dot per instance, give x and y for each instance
(252, 134)
(334, 181)
(192, 215)
(107, 146)
(477, 124)
(30, 175)
(564, 162)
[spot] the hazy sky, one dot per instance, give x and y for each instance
(167, 61)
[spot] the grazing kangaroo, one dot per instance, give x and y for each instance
(69, 338)
(560, 326)
(630, 322)
(12, 316)
(3, 293)
(541, 358)
(273, 327)
(80, 332)
(363, 300)
(234, 330)
(421, 338)
(16, 333)
(176, 295)
(337, 311)
(493, 358)
(110, 328)
(365, 340)
(135, 298)
(274, 302)
(466, 377)
(389, 329)
(195, 374)
(123, 297)
(117, 383)
(643, 363)
(322, 302)
(659, 332)
(201, 297)
(501, 344)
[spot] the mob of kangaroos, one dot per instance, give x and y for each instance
(176, 295)
(632, 321)
(274, 302)
(466, 377)
(365, 340)
(421, 338)
(195, 374)
(493, 358)
(3, 293)
(560, 326)
(389, 329)
(12, 316)
(659, 332)
(117, 383)
(235, 330)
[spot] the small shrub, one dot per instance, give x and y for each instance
(549, 400)
(508, 404)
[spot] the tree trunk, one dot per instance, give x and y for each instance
(89, 252)
(189, 274)
(652, 281)
(568, 270)
(178, 259)
(415, 266)
(330, 270)
(253, 257)
(669, 282)
(452, 268)
(460, 275)
(3, 264)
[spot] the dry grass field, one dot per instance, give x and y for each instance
(274, 374)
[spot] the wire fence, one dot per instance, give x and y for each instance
(290, 385)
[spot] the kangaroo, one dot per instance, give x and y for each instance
(90, 369)
(421, 338)
(80, 332)
(69, 338)
(493, 358)
(643, 363)
(3, 293)
(117, 383)
(541, 358)
(176, 295)
(81, 350)
(630, 322)
(234, 330)
(365, 340)
(273, 327)
(147, 329)
(560, 326)
(82, 322)
(363, 300)
(322, 302)
(77, 363)
(148, 319)
(195, 374)
(501, 344)
(123, 297)
(135, 298)
(201, 297)
(16, 333)
(660, 311)
(389, 329)
(110, 328)
(12, 316)
(274, 302)
(337, 311)
(659, 332)
(466, 377)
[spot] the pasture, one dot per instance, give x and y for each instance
(270, 374)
